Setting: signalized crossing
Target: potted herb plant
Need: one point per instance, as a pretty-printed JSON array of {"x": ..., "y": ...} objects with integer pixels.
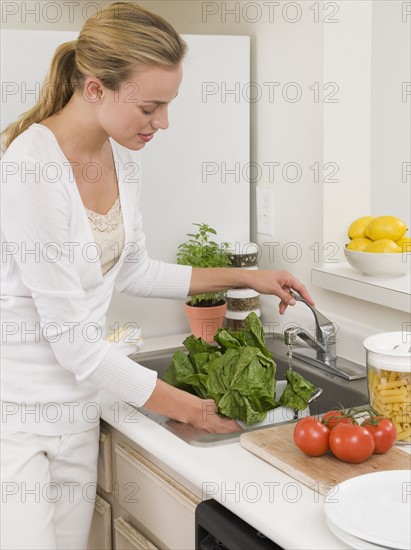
[{"x": 205, "y": 312}]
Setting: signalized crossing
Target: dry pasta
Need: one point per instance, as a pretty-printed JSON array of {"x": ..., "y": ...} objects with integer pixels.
[{"x": 390, "y": 395}]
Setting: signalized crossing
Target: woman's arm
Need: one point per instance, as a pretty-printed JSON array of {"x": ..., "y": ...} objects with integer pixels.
[
  {"x": 278, "y": 283},
  {"x": 124, "y": 378}
]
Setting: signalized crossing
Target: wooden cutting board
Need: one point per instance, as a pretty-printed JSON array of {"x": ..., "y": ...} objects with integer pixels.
[{"x": 276, "y": 446}]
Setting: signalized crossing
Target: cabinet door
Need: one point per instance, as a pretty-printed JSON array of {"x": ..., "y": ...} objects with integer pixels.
[
  {"x": 104, "y": 466},
  {"x": 126, "y": 537},
  {"x": 160, "y": 506},
  {"x": 100, "y": 533}
]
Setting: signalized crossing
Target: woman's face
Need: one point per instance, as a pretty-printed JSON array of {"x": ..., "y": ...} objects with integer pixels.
[{"x": 132, "y": 114}]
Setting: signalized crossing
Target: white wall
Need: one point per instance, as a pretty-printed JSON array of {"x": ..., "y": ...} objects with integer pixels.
[
  {"x": 293, "y": 43},
  {"x": 287, "y": 42},
  {"x": 391, "y": 108},
  {"x": 191, "y": 173}
]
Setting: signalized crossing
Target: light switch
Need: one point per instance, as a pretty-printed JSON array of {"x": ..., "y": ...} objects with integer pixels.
[{"x": 265, "y": 211}]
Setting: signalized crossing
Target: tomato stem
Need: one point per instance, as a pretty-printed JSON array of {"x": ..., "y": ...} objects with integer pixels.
[
  {"x": 352, "y": 412},
  {"x": 374, "y": 416}
]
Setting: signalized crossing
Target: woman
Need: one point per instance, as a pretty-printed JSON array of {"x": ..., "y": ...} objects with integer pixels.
[{"x": 106, "y": 96}]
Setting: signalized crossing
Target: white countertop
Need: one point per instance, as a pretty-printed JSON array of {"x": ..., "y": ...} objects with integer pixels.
[{"x": 283, "y": 509}]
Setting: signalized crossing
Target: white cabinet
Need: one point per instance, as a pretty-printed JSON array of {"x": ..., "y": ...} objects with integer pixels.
[
  {"x": 156, "y": 501},
  {"x": 105, "y": 463},
  {"x": 100, "y": 534},
  {"x": 126, "y": 537},
  {"x": 138, "y": 504}
]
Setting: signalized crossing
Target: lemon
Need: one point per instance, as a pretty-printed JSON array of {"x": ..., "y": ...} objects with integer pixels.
[
  {"x": 357, "y": 229},
  {"x": 404, "y": 244},
  {"x": 385, "y": 227},
  {"x": 359, "y": 244},
  {"x": 384, "y": 246}
]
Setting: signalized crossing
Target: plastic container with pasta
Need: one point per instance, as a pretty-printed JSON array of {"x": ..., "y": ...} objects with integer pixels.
[{"x": 389, "y": 379}]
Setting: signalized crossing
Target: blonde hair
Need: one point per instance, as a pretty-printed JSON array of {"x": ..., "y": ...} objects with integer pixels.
[{"x": 111, "y": 45}]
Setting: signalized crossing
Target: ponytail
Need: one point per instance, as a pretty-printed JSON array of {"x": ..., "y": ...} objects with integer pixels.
[{"x": 55, "y": 93}]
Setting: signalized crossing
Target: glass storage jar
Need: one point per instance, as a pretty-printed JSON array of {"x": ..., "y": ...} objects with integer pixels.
[
  {"x": 243, "y": 254},
  {"x": 389, "y": 378},
  {"x": 235, "y": 319},
  {"x": 242, "y": 299}
]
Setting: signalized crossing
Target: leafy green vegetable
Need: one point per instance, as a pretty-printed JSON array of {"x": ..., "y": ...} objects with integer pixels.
[
  {"x": 297, "y": 392},
  {"x": 239, "y": 373}
]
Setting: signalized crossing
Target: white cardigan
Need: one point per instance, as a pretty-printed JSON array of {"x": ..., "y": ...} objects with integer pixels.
[{"x": 54, "y": 297}]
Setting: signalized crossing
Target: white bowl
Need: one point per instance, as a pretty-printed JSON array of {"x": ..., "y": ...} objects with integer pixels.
[
  {"x": 375, "y": 264},
  {"x": 279, "y": 414}
]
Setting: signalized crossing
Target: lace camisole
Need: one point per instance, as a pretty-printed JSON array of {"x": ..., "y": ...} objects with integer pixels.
[{"x": 108, "y": 232}]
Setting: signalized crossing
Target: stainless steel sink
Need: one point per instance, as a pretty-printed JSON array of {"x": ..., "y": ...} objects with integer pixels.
[{"x": 336, "y": 391}]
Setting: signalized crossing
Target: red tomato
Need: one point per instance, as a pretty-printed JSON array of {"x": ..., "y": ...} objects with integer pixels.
[
  {"x": 311, "y": 437},
  {"x": 384, "y": 432},
  {"x": 332, "y": 418},
  {"x": 351, "y": 443}
]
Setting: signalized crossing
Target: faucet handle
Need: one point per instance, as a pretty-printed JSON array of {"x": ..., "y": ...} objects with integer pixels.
[
  {"x": 296, "y": 296},
  {"x": 324, "y": 328}
]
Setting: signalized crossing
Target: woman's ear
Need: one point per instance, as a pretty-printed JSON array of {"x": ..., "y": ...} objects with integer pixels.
[{"x": 93, "y": 90}]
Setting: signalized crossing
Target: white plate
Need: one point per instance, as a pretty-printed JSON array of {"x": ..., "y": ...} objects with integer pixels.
[
  {"x": 374, "y": 507},
  {"x": 353, "y": 542}
]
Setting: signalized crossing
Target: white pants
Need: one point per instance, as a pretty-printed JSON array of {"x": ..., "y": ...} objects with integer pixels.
[{"x": 48, "y": 490}]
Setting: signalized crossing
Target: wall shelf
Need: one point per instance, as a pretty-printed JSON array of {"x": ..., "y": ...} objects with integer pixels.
[{"x": 394, "y": 292}]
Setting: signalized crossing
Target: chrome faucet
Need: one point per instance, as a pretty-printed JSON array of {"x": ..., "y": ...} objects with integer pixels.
[{"x": 323, "y": 347}]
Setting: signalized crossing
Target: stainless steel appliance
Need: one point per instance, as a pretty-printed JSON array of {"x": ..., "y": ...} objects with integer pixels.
[{"x": 219, "y": 529}]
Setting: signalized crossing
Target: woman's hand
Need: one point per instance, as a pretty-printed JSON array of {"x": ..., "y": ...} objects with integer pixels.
[
  {"x": 278, "y": 283},
  {"x": 186, "y": 407},
  {"x": 206, "y": 418},
  {"x": 264, "y": 281}
]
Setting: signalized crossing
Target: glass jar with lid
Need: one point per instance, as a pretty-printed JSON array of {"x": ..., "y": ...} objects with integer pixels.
[
  {"x": 235, "y": 319},
  {"x": 242, "y": 299},
  {"x": 243, "y": 254}
]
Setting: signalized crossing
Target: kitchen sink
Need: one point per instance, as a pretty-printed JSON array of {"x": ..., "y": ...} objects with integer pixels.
[{"x": 337, "y": 392}]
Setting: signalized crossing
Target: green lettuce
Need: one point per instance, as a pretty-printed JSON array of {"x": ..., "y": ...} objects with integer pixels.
[
  {"x": 239, "y": 373},
  {"x": 297, "y": 391}
]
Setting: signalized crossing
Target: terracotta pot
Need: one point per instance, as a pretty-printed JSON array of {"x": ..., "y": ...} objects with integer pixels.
[{"x": 205, "y": 321}]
